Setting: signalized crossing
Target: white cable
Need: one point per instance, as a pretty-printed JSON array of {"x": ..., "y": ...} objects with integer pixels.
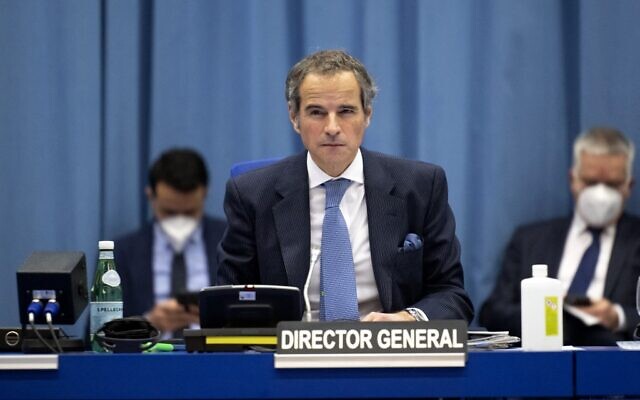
[
  {"x": 33, "y": 327},
  {"x": 315, "y": 255},
  {"x": 52, "y": 330}
]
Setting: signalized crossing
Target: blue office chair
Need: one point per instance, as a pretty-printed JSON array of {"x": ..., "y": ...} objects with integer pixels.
[{"x": 246, "y": 166}]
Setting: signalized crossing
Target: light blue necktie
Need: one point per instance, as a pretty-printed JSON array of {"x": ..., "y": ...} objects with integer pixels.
[{"x": 338, "y": 296}]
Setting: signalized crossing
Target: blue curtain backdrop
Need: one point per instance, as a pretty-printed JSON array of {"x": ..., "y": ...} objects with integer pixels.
[{"x": 494, "y": 91}]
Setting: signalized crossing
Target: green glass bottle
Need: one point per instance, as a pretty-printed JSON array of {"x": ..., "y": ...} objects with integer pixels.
[{"x": 106, "y": 292}]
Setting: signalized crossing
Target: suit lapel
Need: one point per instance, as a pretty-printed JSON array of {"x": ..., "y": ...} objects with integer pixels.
[
  {"x": 385, "y": 215},
  {"x": 618, "y": 255},
  {"x": 291, "y": 218},
  {"x": 556, "y": 247},
  {"x": 210, "y": 249},
  {"x": 144, "y": 271}
]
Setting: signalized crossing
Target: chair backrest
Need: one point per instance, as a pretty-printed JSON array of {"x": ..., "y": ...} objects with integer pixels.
[{"x": 246, "y": 166}]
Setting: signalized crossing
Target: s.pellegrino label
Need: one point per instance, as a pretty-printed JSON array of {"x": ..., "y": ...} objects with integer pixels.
[{"x": 103, "y": 312}]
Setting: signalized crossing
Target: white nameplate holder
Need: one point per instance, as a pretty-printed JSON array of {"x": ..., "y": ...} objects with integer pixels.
[
  {"x": 371, "y": 344},
  {"x": 28, "y": 361}
]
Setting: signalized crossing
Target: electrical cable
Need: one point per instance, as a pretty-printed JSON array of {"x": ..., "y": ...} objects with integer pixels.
[
  {"x": 35, "y": 330},
  {"x": 53, "y": 333},
  {"x": 52, "y": 309}
]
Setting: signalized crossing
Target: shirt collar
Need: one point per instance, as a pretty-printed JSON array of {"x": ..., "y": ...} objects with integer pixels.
[
  {"x": 354, "y": 172},
  {"x": 580, "y": 225}
]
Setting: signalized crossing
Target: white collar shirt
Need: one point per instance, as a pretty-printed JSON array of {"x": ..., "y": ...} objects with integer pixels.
[
  {"x": 354, "y": 209},
  {"x": 195, "y": 256},
  {"x": 578, "y": 240}
]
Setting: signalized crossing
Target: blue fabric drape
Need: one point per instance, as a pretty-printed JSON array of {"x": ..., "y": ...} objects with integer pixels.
[{"x": 494, "y": 91}]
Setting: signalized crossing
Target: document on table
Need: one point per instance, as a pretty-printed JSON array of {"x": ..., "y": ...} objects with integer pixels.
[
  {"x": 588, "y": 319},
  {"x": 491, "y": 339},
  {"x": 629, "y": 344}
]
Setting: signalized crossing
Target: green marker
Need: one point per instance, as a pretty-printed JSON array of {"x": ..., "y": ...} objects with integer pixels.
[{"x": 159, "y": 347}]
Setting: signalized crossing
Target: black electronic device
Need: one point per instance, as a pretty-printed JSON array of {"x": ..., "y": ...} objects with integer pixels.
[
  {"x": 188, "y": 299},
  {"x": 230, "y": 339},
  {"x": 257, "y": 306},
  {"x": 59, "y": 276},
  {"x": 578, "y": 301},
  {"x": 16, "y": 339},
  {"x": 10, "y": 339},
  {"x": 52, "y": 289}
]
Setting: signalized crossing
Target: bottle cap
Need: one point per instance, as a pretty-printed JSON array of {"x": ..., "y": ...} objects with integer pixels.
[
  {"x": 105, "y": 245},
  {"x": 539, "y": 270}
]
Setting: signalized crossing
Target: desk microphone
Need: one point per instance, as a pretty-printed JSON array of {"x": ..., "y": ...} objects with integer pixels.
[{"x": 315, "y": 255}]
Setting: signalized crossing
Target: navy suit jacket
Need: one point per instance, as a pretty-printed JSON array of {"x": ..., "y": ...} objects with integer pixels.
[
  {"x": 268, "y": 235},
  {"x": 134, "y": 261},
  {"x": 543, "y": 243}
]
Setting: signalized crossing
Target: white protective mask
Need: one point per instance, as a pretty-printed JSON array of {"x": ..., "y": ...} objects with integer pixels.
[
  {"x": 599, "y": 205},
  {"x": 179, "y": 229}
]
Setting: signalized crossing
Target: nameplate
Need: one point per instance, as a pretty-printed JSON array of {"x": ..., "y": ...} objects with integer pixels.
[
  {"x": 29, "y": 362},
  {"x": 371, "y": 344}
]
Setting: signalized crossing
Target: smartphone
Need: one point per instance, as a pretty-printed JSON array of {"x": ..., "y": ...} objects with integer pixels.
[{"x": 579, "y": 301}]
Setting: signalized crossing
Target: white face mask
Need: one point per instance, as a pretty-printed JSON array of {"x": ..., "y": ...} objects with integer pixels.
[
  {"x": 599, "y": 205},
  {"x": 179, "y": 229}
]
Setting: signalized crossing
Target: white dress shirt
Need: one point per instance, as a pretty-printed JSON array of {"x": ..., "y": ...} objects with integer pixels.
[
  {"x": 354, "y": 209},
  {"x": 578, "y": 240},
  {"x": 195, "y": 258},
  {"x": 196, "y": 267}
]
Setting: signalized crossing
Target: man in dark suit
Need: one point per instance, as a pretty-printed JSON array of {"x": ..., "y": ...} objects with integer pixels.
[
  {"x": 402, "y": 254},
  {"x": 600, "y": 303},
  {"x": 175, "y": 253}
]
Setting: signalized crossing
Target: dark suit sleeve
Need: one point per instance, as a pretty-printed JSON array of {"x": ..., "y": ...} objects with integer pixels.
[
  {"x": 629, "y": 305},
  {"x": 237, "y": 258},
  {"x": 632, "y": 320},
  {"x": 443, "y": 282},
  {"x": 133, "y": 261},
  {"x": 501, "y": 311},
  {"x": 627, "y": 300},
  {"x": 214, "y": 229},
  {"x": 123, "y": 257}
]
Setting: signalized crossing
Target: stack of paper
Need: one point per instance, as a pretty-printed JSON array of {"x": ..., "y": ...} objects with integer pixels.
[{"x": 491, "y": 340}]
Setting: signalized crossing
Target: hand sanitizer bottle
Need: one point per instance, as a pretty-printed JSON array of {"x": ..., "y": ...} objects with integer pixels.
[{"x": 541, "y": 311}]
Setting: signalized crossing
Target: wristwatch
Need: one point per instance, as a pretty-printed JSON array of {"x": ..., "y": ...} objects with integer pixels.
[{"x": 417, "y": 314}]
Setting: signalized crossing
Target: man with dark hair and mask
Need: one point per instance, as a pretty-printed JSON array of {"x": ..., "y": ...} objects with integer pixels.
[
  {"x": 595, "y": 253},
  {"x": 176, "y": 252}
]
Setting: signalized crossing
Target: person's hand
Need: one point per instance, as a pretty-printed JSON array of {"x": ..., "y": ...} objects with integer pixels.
[
  {"x": 169, "y": 316},
  {"x": 388, "y": 317},
  {"x": 603, "y": 310}
]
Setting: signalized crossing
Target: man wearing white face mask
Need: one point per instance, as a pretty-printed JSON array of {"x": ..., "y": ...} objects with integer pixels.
[
  {"x": 595, "y": 253},
  {"x": 174, "y": 253}
]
